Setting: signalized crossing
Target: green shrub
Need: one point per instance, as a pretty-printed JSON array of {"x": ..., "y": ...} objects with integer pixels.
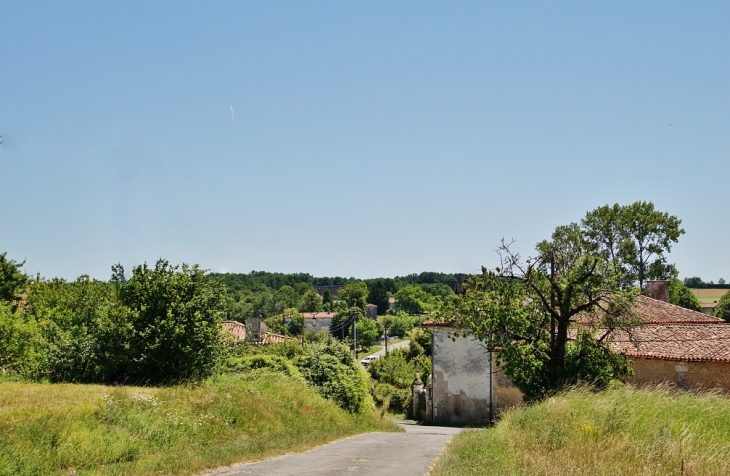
[
  {"x": 391, "y": 397},
  {"x": 275, "y": 363},
  {"x": 331, "y": 369}
]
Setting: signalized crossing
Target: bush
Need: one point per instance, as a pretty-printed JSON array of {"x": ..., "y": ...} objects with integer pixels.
[
  {"x": 331, "y": 369},
  {"x": 176, "y": 319},
  {"x": 391, "y": 397},
  {"x": 275, "y": 363}
]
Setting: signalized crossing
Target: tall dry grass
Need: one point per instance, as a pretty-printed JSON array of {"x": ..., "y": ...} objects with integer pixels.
[
  {"x": 48, "y": 429},
  {"x": 622, "y": 431}
]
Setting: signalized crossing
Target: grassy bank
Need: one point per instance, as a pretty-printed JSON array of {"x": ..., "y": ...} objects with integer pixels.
[
  {"x": 53, "y": 429},
  {"x": 618, "y": 432}
]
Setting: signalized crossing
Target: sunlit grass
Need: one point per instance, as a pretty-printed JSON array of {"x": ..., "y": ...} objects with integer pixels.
[
  {"x": 618, "y": 432},
  {"x": 95, "y": 430}
]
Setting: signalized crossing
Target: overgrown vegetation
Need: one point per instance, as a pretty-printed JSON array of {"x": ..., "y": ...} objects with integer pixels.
[
  {"x": 393, "y": 373},
  {"x": 161, "y": 326},
  {"x": 584, "y": 279},
  {"x": 96, "y": 430},
  {"x": 621, "y": 431}
]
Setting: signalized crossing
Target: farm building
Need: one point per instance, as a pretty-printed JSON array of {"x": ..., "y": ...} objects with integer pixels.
[{"x": 673, "y": 344}]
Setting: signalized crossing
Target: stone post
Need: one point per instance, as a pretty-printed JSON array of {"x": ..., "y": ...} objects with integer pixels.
[{"x": 417, "y": 386}]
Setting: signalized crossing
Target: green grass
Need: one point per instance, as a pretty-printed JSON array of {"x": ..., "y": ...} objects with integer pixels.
[
  {"x": 50, "y": 429},
  {"x": 619, "y": 432}
]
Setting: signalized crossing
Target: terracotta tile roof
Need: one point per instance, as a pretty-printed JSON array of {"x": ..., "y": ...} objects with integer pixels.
[
  {"x": 685, "y": 342},
  {"x": 318, "y": 315},
  {"x": 235, "y": 329},
  {"x": 437, "y": 324},
  {"x": 653, "y": 311},
  {"x": 660, "y": 312},
  {"x": 271, "y": 338}
]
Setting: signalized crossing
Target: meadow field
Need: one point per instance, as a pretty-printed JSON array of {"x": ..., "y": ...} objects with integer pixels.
[{"x": 709, "y": 295}]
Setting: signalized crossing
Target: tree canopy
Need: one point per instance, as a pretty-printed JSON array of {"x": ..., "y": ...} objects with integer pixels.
[{"x": 583, "y": 273}]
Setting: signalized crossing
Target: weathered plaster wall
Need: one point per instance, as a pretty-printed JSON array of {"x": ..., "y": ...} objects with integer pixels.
[
  {"x": 461, "y": 384},
  {"x": 506, "y": 395},
  {"x": 683, "y": 374}
]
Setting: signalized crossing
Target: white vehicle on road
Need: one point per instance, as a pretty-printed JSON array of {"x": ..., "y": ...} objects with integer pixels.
[{"x": 366, "y": 361}]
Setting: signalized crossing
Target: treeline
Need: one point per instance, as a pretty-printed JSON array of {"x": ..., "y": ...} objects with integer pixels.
[
  {"x": 264, "y": 294},
  {"x": 696, "y": 282}
]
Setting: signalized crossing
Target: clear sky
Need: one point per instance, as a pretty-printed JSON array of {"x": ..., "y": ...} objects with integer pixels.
[{"x": 354, "y": 138}]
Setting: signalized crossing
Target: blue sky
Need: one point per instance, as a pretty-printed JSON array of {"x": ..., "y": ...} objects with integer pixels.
[{"x": 367, "y": 138}]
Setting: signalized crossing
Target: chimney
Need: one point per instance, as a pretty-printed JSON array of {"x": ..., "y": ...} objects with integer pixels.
[{"x": 658, "y": 290}]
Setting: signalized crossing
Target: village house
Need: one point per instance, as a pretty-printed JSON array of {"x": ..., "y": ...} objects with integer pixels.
[{"x": 686, "y": 348}]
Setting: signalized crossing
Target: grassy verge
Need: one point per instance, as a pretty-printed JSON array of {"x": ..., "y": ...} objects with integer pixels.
[
  {"x": 53, "y": 429},
  {"x": 618, "y": 432}
]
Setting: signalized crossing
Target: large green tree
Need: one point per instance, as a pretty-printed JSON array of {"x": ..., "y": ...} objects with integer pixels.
[
  {"x": 378, "y": 294},
  {"x": 633, "y": 239},
  {"x": 413, "y": 299},
  {"x": 176, "y": 321},
  {"x": 528, "y": 306},
  {"x": 354, "y": 295},
  {"x": 680, "y": 295}
]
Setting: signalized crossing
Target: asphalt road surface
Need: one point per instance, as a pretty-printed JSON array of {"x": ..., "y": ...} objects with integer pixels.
[{"x": 383, "y": 454}]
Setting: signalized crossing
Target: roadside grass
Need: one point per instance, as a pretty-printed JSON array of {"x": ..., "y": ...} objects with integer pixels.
[
  {"x": 51, "y": 429},
  {"x": 622, "y": 431},
  {"x": 709, "y": 295}
]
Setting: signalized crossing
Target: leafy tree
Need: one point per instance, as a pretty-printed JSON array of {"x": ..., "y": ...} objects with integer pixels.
[
  {"x": 378, "y": 294},
  {"x": 367, "y": 332},
  {"x": 354, "y": 295},
  {"x": 680, "y": 295},
  {"x": 286, "y": 297},
  {"x": 19, "y": 342},
  {"x": 633, "y": 239},
  {"x": 438, "y": 290},
  {"x": 176, "y": 322},
  {"x": 12, "y": 281},
  {"x": 342, "y": 321},
  {"x": 296, "y": 324},
  {"x": 327, "y": 297},
  {"x": 723, "y": 307},
  {"x": 413, "y": 300},
  {"x": 527, "y": 307},
  {"x": 398, "y": 324},
  {"x": 83, "y": 330},
  {"x": 721, "y": 281},
  {"x": 694, "y": 282},
  {"x": 311, "y": 301}
]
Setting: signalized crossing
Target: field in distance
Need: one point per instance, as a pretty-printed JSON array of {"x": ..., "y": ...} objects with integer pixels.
[{"x": 709, "y": 295}]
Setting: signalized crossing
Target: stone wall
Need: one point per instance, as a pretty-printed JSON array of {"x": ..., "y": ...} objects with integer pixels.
[{"x": 694, "y": 375}]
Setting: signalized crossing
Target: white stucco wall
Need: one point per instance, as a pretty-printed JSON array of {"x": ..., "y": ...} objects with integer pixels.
[{"x": 461, "y": 386}]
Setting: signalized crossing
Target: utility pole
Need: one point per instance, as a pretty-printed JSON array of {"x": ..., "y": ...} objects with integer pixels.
[{"x": 354, "y": 332}]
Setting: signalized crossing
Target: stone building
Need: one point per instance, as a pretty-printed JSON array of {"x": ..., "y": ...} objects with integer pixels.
[
  {"x": 465, "y": 387},
  {"x": 672, "y": 344}
]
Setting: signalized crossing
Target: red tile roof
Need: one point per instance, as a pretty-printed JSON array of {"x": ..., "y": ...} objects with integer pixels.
[
  {"x": 318, "y": 315},
  {"x": 235, "y": 329},
  {"x": 660, "y": 312},
  {"x": 684, "y": 342},
  {"x": 271, "y": 338}
]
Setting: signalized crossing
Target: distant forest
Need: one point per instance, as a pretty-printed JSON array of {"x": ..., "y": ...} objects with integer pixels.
[{"x": 274, "y": 281}]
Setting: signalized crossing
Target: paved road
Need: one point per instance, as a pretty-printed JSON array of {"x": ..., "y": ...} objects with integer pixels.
[
  {"x": 384, "y": 454},
  {"x": 381, "y": 352}
]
